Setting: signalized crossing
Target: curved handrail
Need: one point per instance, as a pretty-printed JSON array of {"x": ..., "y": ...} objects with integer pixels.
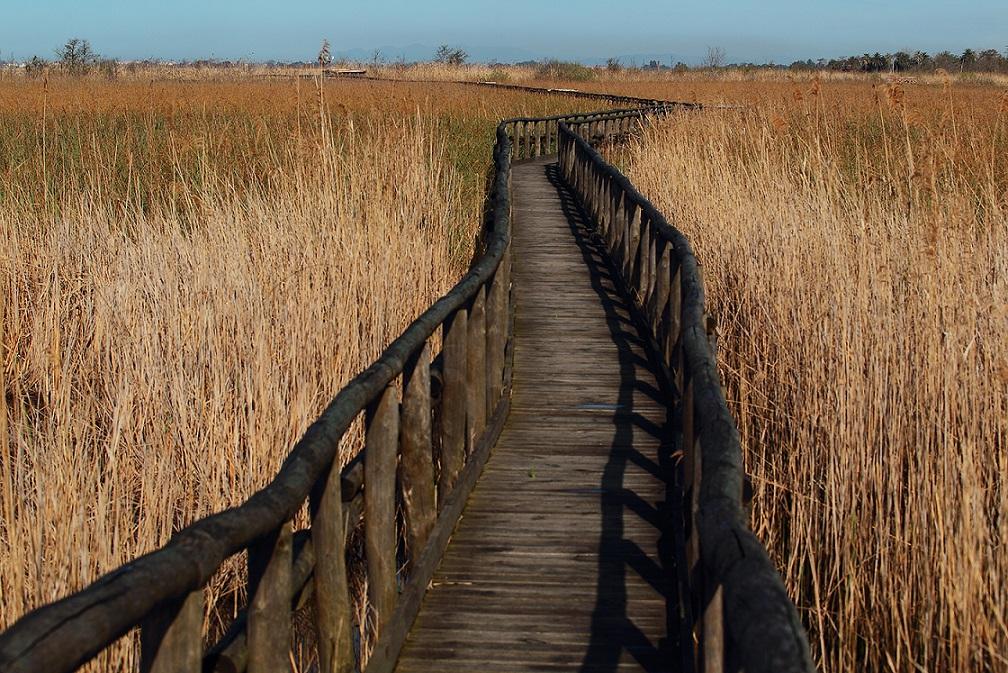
[
  {"x": 162, "y": 591},
  {"x": 744, "y": 618},
  {"x": 63, "y": 635},
  {"x": 159, "y": 590}
]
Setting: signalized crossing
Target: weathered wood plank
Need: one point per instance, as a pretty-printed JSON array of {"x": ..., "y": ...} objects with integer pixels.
[
  {"x": 269, "y": 616},
  {"x": 331, "y": 592},
  {"x": 455, "y": 336},
  {"x": 416, "y": 469},
  {"x": 381, "y": 448},
  {"x": 172, "y": 639},
  {"x": 476, "y": 375},
  {"x": 543, "y": 554}
]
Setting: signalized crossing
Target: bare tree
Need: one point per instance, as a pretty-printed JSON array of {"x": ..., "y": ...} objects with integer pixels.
[
  {"x": 77, "y": 56},
  {"x": 324, "y": 55},
  {"x": 449, "y": 55},
  {"x": 715, "y": 57}
]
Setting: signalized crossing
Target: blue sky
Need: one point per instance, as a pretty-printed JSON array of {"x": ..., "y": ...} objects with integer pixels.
[{"x": 775, "y": 30}]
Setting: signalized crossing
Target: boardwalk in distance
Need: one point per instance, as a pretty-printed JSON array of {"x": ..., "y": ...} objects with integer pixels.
[{"x": 559, "y": 561}]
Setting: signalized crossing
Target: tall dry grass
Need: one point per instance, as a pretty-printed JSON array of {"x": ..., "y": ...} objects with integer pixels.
[
  {"x": 160, "y": 364},
  {"x": 854, "y": 244},
  {"x": 188, "y": 274}
]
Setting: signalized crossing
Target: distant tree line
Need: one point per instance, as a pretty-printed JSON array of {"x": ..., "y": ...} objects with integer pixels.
[
  {"x": 77, "y": 57},
  {"x": 986, "y": 60}
]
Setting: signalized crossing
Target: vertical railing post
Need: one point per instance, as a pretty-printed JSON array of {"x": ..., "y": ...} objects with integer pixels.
[
  {"x": 643, "y": 247},
  {"x": 381, "y": 445},
  {"x": 171, "y": 639},
  {"x": 651, "y": 264},
  {"x": 455, "y": 335},
  {"x": 269, "y": 611},
  {"x": 476, "y": 402},
  {"x": 673, "y": 346},
  {"x": 331, "y": 592},
  {"x": 496, "y": 330},
  {"x": 630, "y": 257},
  {"x": 659, "y": 299},
  {"x": 713, "y": 614},
  {"x": 416, "y": 471},
  {"x": 691, "y": 473},
  {"x": 616, "y": 222}
]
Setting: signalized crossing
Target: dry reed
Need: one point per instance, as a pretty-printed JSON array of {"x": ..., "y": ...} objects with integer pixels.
[
  {"x": 188, "y": 274},
  {"x": 855, "y": 251}
]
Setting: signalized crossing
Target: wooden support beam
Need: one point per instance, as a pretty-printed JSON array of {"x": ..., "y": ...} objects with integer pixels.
[
  {"x": 416, "y": 469},
  {"x": 455, "y": 335},
  {"x": 333, "y": 609},
  {"x": 476, "y": 377},
  {"x": 381, "y": 446},
  {"x": 171, "y": 639},
  {"x": 269, "y": 613}
]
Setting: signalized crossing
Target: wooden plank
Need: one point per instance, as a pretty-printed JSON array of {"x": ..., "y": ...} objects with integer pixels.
[
  {"x": 381, "y": 448},
  {"x": 455, "y": 336},
  {"x": 269, "y": 614},
  {"x": 172, "y": 638},
  {"x": 386, "y": 652},
  {"x": 476, "y": 374},
  {"x": 527, "y": 554},
  {"x": 496, "y": 338},
  {"x": 416, "y": 469},
  {"x": 331, "y": 593}
]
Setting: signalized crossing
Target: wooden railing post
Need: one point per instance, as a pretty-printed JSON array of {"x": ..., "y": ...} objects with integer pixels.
[
  {"x": 171, "y": 639},
  {"x": 659, "y": 299},
  {"x": 673, "y": 347},
  {"x": 713, "y": 615},
  {"x": 597, "y": 197},
  {"x": 455, "y": 335},
  {"x": 496, "y": 334},
  {"x": 269, "y": 611},
  {"x": 381, "y": 445},
  {"x": 331, "y": 592},
  {"x": 476, "y": 402},
  {"x": 416, "y": 469},
  {"x": 632, "y": 242},
  {"x": 713, "y": 632},
  {"x": 645, "y": 263},
  {"x": 691, "y": 474},
  {"x": 615, "y": 194}
]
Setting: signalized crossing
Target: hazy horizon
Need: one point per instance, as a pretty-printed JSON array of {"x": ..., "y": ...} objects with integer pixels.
[{"x": 260, "y": 30}]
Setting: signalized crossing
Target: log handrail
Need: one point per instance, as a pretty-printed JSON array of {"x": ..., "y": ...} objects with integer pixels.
[
  {"x": 154, "y": 590},
  {"x": 452, "y": 406},
  {"x": 162, "y": 591},
  {"x": 741, "y": 615}
]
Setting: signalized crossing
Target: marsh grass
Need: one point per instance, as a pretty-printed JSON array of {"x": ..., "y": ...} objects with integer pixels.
[
  {"x": 189, "y": 272},
  {"x": 854, "y": 244}
]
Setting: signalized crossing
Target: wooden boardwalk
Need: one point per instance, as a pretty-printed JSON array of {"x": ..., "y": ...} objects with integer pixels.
[{"x": 558, "y": 562}]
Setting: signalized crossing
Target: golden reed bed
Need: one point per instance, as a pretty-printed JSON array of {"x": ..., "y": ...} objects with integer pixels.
[
  {"x": 190, "y": 269},
  {"x": 854, "y": 239}
]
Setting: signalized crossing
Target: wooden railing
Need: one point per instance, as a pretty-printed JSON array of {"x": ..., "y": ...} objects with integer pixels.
[
  {"x": 534, "y": 137},
  {"x": 430, "y": 423},
  {"x": 453, "y": 408},
  {"x": 741, "y": 615}
]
